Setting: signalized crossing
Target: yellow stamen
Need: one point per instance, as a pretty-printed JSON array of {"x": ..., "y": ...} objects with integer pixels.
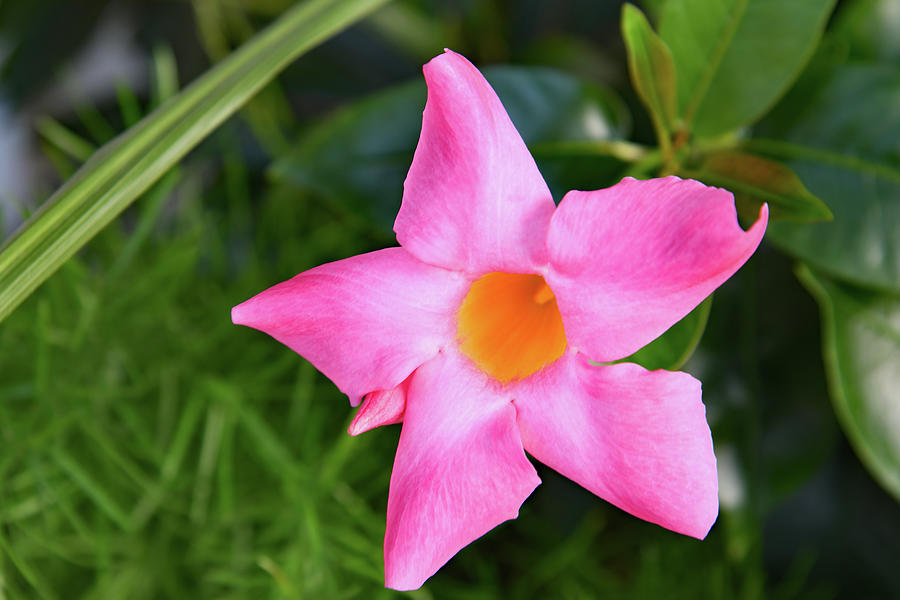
[
  {"x": 544, "y": 294},
  {"x": 510, "y": 326}
]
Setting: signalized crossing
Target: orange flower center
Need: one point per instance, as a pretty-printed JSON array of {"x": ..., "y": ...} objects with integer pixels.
[{"x": 510, "y": 326}]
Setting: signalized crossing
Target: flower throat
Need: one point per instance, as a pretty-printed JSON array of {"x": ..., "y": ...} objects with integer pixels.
[{"x": 510, "y": 326}]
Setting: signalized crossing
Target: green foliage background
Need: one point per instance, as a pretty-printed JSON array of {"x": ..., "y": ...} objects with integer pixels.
[{"x": 150, "y": 449}]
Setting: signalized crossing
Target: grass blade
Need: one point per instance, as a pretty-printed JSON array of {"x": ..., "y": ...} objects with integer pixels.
[{"x": 123, "y": 169}]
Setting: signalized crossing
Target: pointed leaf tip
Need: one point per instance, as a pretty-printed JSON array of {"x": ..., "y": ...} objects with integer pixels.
[{"x": 652, "y": 70}]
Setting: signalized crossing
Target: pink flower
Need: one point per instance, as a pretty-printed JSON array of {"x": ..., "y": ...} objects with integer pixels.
[{"x": 478, "y": 333}]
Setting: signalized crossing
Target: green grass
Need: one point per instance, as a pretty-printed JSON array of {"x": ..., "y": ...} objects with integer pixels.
[{"x": 153, "y": 449}]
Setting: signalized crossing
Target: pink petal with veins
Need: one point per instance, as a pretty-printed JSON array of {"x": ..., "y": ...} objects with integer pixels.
[
  {"x": 636, "y": 438},
  {"x": 366, "y": 322},
  {"x": 473, "y": 199},
  {"x": 459, "y": 471},
  {"x": 629, "y": 261}
]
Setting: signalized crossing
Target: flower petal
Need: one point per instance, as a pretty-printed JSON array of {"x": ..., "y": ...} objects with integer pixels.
[
  {"x": 366, "y": 322},
  {"x": 629, "y": 261},
  {"x": 384, "y": 407},
  {"x": 459, "y": 472},
  {"x": 474, "y": 199},
  {"x": 636, "y": 438}
]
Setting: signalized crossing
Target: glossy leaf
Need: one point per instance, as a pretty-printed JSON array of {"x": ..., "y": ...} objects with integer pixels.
[
  {"x": 735, "y": 58},
  {"x": 755, "y": 180},
  {"x": 359, "y": 156},
  {"x": 652, "y": 71},
  {"x": 126, "y": 167},
  {"x": 675, "y": 346},
  {"x": 840, "y": 137},
  {"x": 862, "y": 357}
]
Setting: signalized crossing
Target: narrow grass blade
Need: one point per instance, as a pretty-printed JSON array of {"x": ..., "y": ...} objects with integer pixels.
[{"x": 123, "y": 169}]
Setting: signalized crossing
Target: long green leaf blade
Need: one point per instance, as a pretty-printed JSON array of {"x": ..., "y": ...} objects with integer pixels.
[
  {"x": 652, "y": 71},
  {"x": 735, "y": 58},
  {"x": 861, "y": 348},
  {"x": 123, "y": 169}
]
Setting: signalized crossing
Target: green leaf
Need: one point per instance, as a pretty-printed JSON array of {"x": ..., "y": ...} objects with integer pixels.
[
  {"x": 123, "y": 169},
  {"x": 359, "y": 156},
  {"x": 652, "y": 71},
  {"x": 862, "y": 358},
  {"x": 841, "y": 140},
  {"x": 869, "y": 29},
  {"x": 675, "y": 346},
  {"x": 735, "y": 58},
  {"x": 755, "y": 180}
]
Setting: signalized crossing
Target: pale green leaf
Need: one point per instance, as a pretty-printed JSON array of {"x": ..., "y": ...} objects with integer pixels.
[
  {"x": 735, "y": 58},
  {"x": 652, "y": 71}
]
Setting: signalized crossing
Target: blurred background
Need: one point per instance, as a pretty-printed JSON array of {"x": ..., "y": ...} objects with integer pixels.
[{"x": 151, "y": 449}]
